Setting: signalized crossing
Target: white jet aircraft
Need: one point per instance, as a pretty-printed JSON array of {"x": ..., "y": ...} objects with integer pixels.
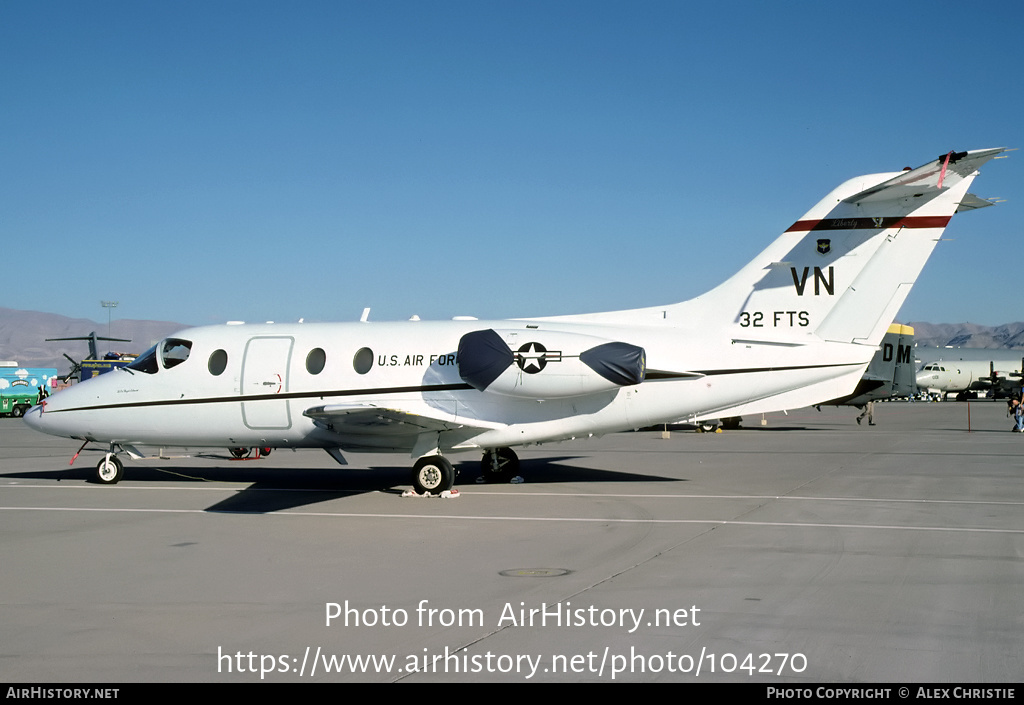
[
  {"x": 796, "y": 326},
  {"x": 969, "y": 370}
]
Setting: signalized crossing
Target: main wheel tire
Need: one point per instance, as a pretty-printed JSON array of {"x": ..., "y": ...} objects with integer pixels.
[
  {"x": 433, "y": 474},
  {"x": 239, "y": 452},
  {"x": 499, "y": 465},
  {"x": 109, "y": 470}
]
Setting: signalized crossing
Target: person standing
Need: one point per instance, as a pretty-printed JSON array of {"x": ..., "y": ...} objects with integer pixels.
[{"x": 1016, "y": 410}]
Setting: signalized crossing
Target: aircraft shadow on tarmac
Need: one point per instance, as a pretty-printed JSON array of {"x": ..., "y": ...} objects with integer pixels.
[
  {"x": 307, "y": 487},
  {"x": 752, "y": 427},
  {"x": 266, "y": 489}
]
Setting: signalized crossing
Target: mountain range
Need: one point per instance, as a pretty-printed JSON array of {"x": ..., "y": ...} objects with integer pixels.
[
  {"x": 23, "y": 336},
  {"x": 969, "y": 335}
]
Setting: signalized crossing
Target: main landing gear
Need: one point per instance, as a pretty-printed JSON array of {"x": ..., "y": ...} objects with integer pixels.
[
  {"x": 433, "y": 474},
  {"x": 499, "y": 465},
  {"x": 242, "y": 453}
]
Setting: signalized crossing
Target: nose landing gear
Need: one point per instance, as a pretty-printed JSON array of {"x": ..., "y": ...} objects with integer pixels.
[{"x": 109, "y": 470}]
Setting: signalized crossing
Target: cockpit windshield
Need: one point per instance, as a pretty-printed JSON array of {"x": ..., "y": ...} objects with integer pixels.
[
  {"x": 167, "y": 354},
  {"x": 146, "y": 362}
]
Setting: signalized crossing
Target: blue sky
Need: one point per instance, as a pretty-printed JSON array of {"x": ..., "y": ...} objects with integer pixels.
[{"x": 210, "y": 161}]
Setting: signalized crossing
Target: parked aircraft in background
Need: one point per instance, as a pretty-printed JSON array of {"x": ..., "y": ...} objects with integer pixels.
[
  {"x": 964, "y": 371},
  {"x": 796, "y": 326},
  {"x": 890, "y": 373},
  {"x": 93, "y": 338},
  {"x": 76, "y": 366}
]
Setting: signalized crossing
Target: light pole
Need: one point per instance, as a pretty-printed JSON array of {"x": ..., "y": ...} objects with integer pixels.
[{"x": 108, "y": 305}]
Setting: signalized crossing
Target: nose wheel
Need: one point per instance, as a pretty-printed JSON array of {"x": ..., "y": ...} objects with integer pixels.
[{"x": 109, "y": 470}]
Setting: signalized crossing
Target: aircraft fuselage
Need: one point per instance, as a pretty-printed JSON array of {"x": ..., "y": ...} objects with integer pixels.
[{"x": 249, "y": 385}]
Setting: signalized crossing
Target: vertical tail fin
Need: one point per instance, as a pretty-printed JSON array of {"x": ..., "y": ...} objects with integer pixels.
[
  {"x": 843, "y": 270},
  {"x": 904, "y": 379},
  {"x": 890, "y": 373}
]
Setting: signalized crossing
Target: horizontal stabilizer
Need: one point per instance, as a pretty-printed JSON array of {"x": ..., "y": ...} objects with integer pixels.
[
  {"x": 970, "y": 202},
  {"x": 929, "y": 180}
]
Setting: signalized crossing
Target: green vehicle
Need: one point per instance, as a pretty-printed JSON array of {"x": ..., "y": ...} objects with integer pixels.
[{"x": 19, "y": 387}]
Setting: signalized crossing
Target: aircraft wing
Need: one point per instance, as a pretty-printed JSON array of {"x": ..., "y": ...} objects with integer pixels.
[
  {"x": 929, "y": 180},
  {"x": 1006, "y": 380},
  {"x": 370, "y": 419},
  {"x": 365, "y": 426}
]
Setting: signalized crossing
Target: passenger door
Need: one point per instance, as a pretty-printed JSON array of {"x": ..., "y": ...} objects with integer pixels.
[{"x": 265, "y": 375}]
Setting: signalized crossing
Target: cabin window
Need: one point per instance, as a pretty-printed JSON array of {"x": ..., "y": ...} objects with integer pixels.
[
  {"x": 175, "y": 351},
  {"x": 315, "y": 361},
  {"x": 218, "y": 362},
  {"x": 363, "y": 360}
]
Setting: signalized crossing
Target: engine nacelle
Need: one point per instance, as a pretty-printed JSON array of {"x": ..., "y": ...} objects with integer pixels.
[{"x": 538, "y": 364}]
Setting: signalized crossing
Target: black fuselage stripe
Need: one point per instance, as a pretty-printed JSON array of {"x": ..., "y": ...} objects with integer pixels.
[
  {"x": 416, "y": 389},
  {"x": 739, "y": 371},
  {"x": 654, "y": 375},
  {"x": 286, "y": 395}
]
